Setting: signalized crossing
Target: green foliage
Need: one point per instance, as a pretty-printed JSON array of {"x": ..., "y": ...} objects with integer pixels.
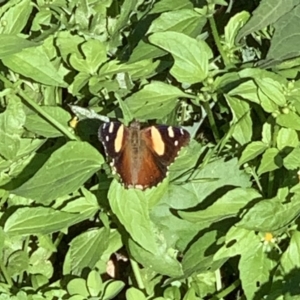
[{"x": 224, "y": 224}]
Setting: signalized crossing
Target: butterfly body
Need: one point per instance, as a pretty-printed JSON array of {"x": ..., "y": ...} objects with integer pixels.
[{"x": 141, "y": 157}]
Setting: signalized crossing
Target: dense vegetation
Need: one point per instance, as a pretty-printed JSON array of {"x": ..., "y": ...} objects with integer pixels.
[{"x": 224, "y": 224}]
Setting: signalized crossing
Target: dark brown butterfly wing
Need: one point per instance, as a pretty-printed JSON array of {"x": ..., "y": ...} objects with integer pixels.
[{"x": 142, "y": 157}]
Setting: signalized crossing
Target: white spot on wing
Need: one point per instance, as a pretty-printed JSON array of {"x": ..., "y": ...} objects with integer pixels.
[
  {"x": 111, "y": 127},
  {"x": 181, "y": 131},
  {"x": 107, "y": 138},
  {"x": 176, "y": 143},
  {"x": 139, "y": 187},
  {"x": 171, "y": 132}
]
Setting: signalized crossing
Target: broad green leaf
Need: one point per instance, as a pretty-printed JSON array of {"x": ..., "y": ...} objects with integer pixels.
[
  {"x": 207, "y": 181},
  {"x": 86, "y": 249},
  {"x": 272, "y": 89},
  {"x": 266, "y": 103},
  {"x": 255, "y": 267},
  {"x": 63, "y": 173},
  {"x": 236, "y": 241},
  {"x": 35, "y": 64},
  {"x": 131, "y": 208},
  {"x": 40, "y": 220},
  {"x": 68, "y": 43},
  {"x": 227, "y": 206},
  {"x": 290, "y": 258},
  {"x": 10, "y": 44},
  {"x": 14, "y": 16},
  {"x": 77, "y": 286},
  {"x": 39, "y": 263},
  {"x": 11, "y": 126},
  {"x": 233, "y": 27},
  {"x": 190, "y": 63},
  {"x": 169, "y": 5},
  {"x": 265, "y": 14},
  {"x": 290, "y": 120},
  {"x": 13, "y": 118},
  {"x": 17, "y": 263},
  {"x": 185, "y": 21},
  {"x": 271, "y": 160},
  {"x": 134, "y": 294},
  {"x": 247, "y": 90},
  {"x": 154, "y": 100},
  {"x": 38, "y": 125},
  {"x": 252, "y": 150},
  {"x": 292, "y": 160},
  {"x": 163, "y": 261},
  {"x": 241, "y": 119},
  {"x": 284, "y": 43},
  {"x": 267, "y": 134},
  {"x": 271, "y": 214},
  {"x": 197, "y": 259},
  {"x": 286, "y": 138},
  {"x": 95, "y": 54},
  {"x": 112, "y": 288},
  {"x": 94, "y": 283},
  {"x": 9, "y": 145}
]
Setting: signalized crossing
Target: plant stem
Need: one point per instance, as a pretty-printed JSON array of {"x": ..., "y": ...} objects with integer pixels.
[
  {"x": 137, "y": 274},
  {"x": 211, "y": 121},
  {"x": 5, "y": 274},
  {"x": 227, "y": 291},
  {"x": 215, "y": 34},
  {"x": 40, "y": 111}
]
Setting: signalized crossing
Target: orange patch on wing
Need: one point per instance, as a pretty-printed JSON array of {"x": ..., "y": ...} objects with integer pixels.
[
  {"x": 157, "y": 142},
  {"x": 119, "y": 138}
]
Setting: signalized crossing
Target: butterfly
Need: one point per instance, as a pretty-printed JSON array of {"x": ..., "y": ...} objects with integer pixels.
[{"x": 142, "y": 156}]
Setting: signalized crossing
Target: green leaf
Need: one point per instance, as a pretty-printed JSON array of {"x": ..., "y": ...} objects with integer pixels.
[
  {"x": 227, "y": 206},
  {"x": 241, "y": 119},
  {"x": 77, "y": 286},
  {"x": 265, "y": 14},
  {"x": 94, "y": 283},
  {"x": 13, "y": 118},
  {"x": 233, "y": 27},
  {"x": 134, "y": 294},
  {"x": 190, "y": 63},
  {"x": 286, "y": 138},
  {"x": 18, "y": 263},
  {"x": 197, "y": 259},
  {"x": 271, "y": 160},
  {"x": 163, "y": 261},
  {"x": 185, "y": 21},
  {"x": 167, "y": 5},
  {"x": 39, "y": 220},
  {"x": 290, "y": 258},
  {"x": 255, "y": 267},
  {"x": 247, "y": 90},
  {"x": 271, "y": 214},
  {"x": 272, "y": 89},
  {"x": 38, "y": 125},
  {"x": 112, "y": 289},
  {"x": 63, "y": 173},
  {"x": 15, "y": 15},
  {"x": 252, "y": 150},
  {"x": 292, "y": 160},
  {"x": 289, "y": 120},
  {"x": 131, "y": 205},
  {"x": 35, "y": 64},
  {"x": 266, "y": 103},
  {"x": 237, "y": 239},
  {"x": 285, "y": 39},
  {"x": 10, "y": 44},
  {"x": 86, "y": 249},
  {"x": 154, "y": 101}
]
